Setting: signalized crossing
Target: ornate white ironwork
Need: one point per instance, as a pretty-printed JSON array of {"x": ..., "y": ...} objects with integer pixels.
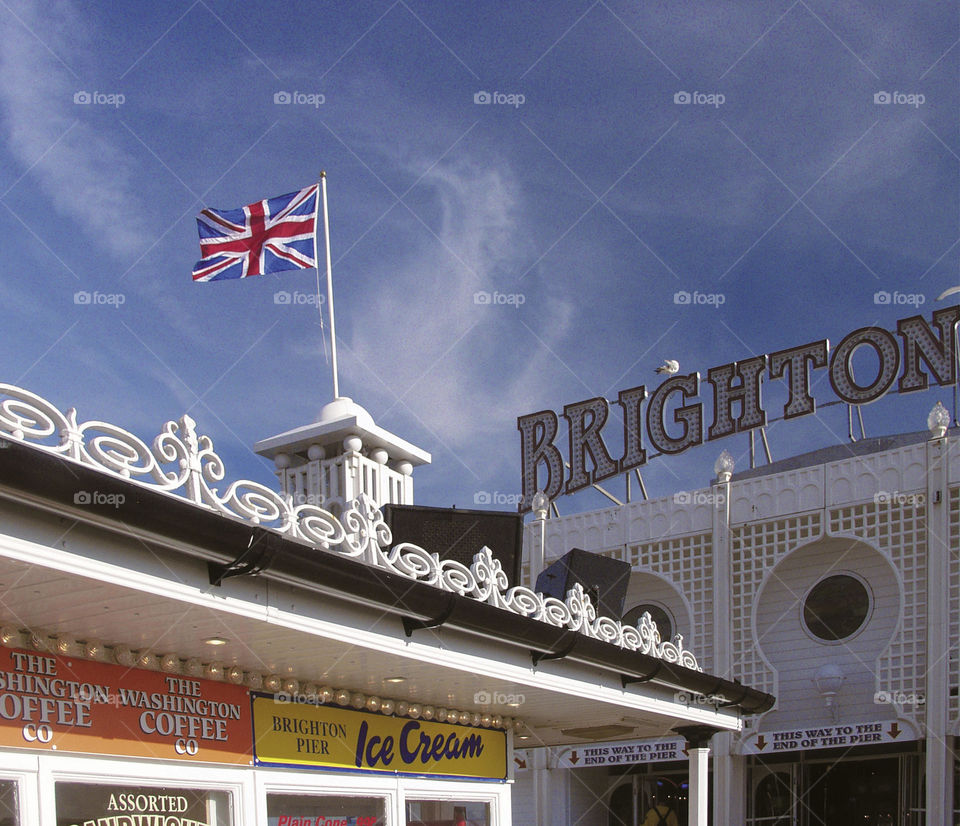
[{"x": 183, "y": 464}]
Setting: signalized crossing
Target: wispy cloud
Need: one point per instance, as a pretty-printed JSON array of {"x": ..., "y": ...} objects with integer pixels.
[
  {"x": 424, "y": 340},
  {"x": 81, "y": 169}
]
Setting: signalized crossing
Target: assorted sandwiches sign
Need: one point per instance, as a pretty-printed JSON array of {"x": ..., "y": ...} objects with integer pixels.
[{"x": 925, "y": 350}]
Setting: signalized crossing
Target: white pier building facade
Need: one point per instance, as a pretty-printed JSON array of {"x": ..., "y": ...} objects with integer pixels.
[{"x": 830, "y": 580}]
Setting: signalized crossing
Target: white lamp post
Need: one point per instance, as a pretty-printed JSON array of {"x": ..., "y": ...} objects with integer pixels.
[{"x": 540, "y": 504}]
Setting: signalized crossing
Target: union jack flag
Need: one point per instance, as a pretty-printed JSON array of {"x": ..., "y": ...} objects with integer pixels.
[{"x": 269, "y": 236}]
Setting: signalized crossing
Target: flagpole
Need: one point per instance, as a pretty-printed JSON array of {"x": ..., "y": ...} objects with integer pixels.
[{"x": 326, "y": 234}]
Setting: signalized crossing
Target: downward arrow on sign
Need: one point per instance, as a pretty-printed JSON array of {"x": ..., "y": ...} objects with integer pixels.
[
  {"x": 761, "y": 742},
  {"x": 895, "y": 730},
  {"x": 574, "y": 759}
]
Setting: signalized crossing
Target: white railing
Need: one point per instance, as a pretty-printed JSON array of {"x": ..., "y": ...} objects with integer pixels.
[{"x": 183, "y": 464}]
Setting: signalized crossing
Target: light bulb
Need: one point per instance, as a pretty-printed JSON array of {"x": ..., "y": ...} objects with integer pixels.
[
  {"x": 170, "y": 663},
  {"x": 123, "y": 655},
  {"x": 723, "y": 467},
  {"x": 938, "y": 421},
  {"x": 272, "y": 683}
]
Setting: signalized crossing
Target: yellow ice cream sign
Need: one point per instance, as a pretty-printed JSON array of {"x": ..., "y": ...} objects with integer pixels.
[{"x": 326, "y": 736}]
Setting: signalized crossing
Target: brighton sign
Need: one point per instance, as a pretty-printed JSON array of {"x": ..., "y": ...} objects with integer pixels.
[{"x": 737, "y": 383}]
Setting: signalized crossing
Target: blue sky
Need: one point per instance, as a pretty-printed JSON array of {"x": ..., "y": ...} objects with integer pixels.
[{"x": 585, "y": 189}]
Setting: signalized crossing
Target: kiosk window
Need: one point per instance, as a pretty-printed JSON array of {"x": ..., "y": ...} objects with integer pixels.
[
  {"x": 9, "y": 811},
  {"x": 108, "y": 804},
  {"x": 324, "y": 810},
  {"x": 447, "y": 813}
]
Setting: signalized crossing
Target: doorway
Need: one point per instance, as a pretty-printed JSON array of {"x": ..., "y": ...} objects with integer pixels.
[
  {"x": 633, "y": 800},
  {"x": 862, "y": 792},
  {"x": 874, "y": 791}
]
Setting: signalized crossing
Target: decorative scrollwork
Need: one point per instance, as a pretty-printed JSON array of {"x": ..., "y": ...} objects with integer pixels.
[
  {"x": 254, "y": 502},
  {"x": 413, "y": 562},
  {"x": 457, "y": 577},
  {"x": 119, "y": 451},
  {"x": 24, "y": 415},
  {"x": 179, "y": 458},
  {"x": 317, "y": 526},
  {"x": 366, "y": 532},
  {"x": 491, "y": 579}
]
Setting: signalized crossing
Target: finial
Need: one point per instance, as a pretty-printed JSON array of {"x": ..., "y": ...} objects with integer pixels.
[
  {"x": 540, "y": 504},
  {"x": 723, "y": 467},
  {"x": 938, "y": 421}
]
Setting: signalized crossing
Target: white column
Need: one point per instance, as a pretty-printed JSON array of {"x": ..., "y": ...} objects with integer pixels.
[
  {"x": 729, "y": 784},
  {"x": 939, "y": 760},
  {"x": 538, "y": 554},
  {"x": 699, "y": 778},
  {"x": 698, "y": 748},
  {"x": 729, "y": 781}
]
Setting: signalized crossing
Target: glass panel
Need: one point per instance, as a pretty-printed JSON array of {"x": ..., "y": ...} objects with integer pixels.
[
  {"x": 9, "y": 811},
  {"x": 662, "y": 798},
  {"x": 96, "y": 803},
  {"x": 773, "y": 800},
  {"x": 447, "y": 813},
  {"x": 324, "y": 810},
  {"x": 854, "y": 791},
  {"x": 621, "y": 806}
]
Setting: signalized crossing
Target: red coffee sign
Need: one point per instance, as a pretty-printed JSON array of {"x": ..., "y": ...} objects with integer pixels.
[{"x": 65, "y": 704}]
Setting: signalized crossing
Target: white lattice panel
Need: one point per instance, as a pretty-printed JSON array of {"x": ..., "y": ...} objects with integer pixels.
[
  {"x": 766, "y": 497},
  {"x": 687, "y": 563},
  {"x": 755, "y": 548},
  {"x": 899, "y": 531},
  {"x": 862, "y": 478}
]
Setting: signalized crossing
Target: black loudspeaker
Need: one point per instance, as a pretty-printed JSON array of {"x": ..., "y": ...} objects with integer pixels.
[
  {"x": 458, "y": 534},
  {"x": 604, "y": 579}
]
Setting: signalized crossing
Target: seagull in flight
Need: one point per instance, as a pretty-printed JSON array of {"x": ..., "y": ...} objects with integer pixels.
[{"x": 669, "y": 367}]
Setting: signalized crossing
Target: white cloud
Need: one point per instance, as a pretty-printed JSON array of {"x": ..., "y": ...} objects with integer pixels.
[
  {"x": 420, "y": 331},
  {"x": 79, "y": 168}
]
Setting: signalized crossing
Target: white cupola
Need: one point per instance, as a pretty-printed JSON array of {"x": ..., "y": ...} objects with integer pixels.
[{"x": 341, "y": 455}]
